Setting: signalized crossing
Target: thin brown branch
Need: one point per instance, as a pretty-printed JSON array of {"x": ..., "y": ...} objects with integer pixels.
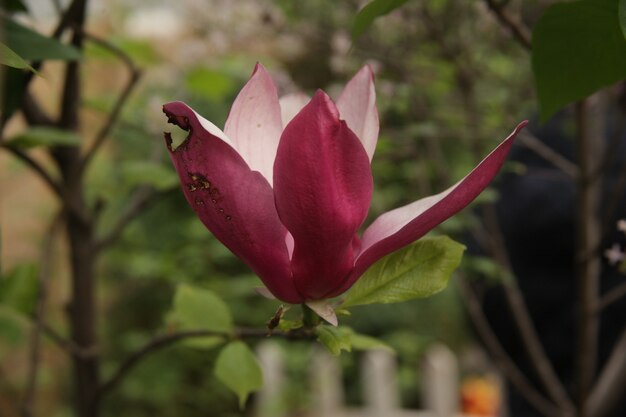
[
  {"x": 166, "y": 340},
  {"x": 617, "y": 193},
  {"x": 502, "y": 359},
  {"x": 609, "y": 389},
  {"x": 587, "y": 259},
  {"x": 547, "y": 153},
  {"x": 28, "y": 401},
  {"x": 36, "y": 167},
  {"x": 610, "y": 297},
  {"x": 530, "y": 338},
  {"x": 67, "y": 345},
  {"x": 141, "y": 198},
  {"x": 114, "y": 114},
  {"x": 519, "y": 31}
]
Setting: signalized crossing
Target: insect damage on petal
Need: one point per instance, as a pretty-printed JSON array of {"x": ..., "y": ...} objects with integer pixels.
[
  {"x": 180, "y": 121},
  {"x": 200, "y": 183}
]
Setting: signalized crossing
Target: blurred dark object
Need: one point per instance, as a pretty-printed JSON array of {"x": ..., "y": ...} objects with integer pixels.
[{"x": 536, "y": 216}]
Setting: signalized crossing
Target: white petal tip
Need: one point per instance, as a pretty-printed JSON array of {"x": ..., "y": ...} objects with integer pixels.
[
  {"x": 324, "y": 310},
  {"x": 265, "y": 293}
]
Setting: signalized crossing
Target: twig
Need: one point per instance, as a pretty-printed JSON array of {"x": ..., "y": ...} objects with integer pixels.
[
  {"x": 610, "y": 297},
  {"x": 503, "y": 360},
  {"x": 609, "y": 390},
  {"x": 166, "y": 340},
  {"x": 67, "y": 345},
  {"x": 142, "y": 196},
  {"x": 587, "y": 261},
  {"x": 135, "y": 73},
  {"x": 517, "y": 28},
  {"x": 28, "y": 401},
  {"x": 547, "y": 153},
  {"x": 521, "y": 315},
  {"x": 617, "y": 193},
  {"x": 35, "y": 166}
]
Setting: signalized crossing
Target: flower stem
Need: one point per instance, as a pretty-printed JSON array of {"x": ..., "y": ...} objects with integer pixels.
[{"x": 310, "y": 319}]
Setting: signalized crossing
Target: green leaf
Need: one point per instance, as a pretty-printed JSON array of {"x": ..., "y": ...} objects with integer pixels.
[
  {"x": 370, "y": 12},
  {"x": 416, "y": 271},
  {"x": 209, "y": 84},
  {"x": 335, "y": 339},
  {"x": 44, "y": 136},
  {"x": 577, "y": 49},
  {"x": 14, "y": 6},
  {"x": 239, "y": 370},
  {"x": 15, "y": 81},
  {"x": 18, "y": 288},
  {"x": 30, "y": 45},
  {"x": 622, "y": 16},
  {"x": 199, "y": 309},
  {"x": 9, "y": 58},
  {"x": 138, "y": 173},
  {"x": 286, "y": 325},
  {"x": 363, "y": 342},
  {"x": 13, "y": 327}
]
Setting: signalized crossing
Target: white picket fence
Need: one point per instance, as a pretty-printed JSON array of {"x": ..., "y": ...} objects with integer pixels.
[{"x": 440, "y": 386}]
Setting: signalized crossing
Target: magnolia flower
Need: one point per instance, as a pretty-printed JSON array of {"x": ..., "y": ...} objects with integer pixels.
[{"x": 287, "y": 185}]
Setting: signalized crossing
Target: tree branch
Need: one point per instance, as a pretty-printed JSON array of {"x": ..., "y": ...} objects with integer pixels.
[
  {"x": 36, "y": 167},
  {"x": 162, "y": 341},
  {"x": 610, "y": 297},
  {"x": 142, "y": 196},
  {"x": 28, "y": 401},
  {"x": 135, "y": 73},
  {"x": 587, "y": 260},
  {"x": 502, "y": 359},
  {"x": 609, "y": 389},
  {"x": 529, "y": 336},
  {"x": 547, "y": 153},
  {"x": 517, "y": 28}
]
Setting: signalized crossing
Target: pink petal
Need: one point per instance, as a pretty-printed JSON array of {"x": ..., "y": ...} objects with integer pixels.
[
  {"x": 322, "y": 187},
  {"x": 291, "y": 104},
  {"x": 254, "y": 123},
  {"x": 357, "y": 106},
  {"x": 235, "y": 203},
  {"x": 397, "y": 228}
]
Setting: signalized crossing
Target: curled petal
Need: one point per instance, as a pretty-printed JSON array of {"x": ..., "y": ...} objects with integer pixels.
[
  {"x": 322, "y": 188},
  {"x": 254, "y": 123},
  {"x": 357, "y": 106},
  {"x": 397, "y": 228},
  {"x": 235, "y": 203}
]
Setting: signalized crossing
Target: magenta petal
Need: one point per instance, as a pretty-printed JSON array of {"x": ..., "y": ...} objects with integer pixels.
[
  {"x": 322, "y": 187},
  {"x": 254, "y": 124},
  {"x": 235, "y": 203},
  {"x": 397, "y": 228},
  {"x": 357, "y": 106}
]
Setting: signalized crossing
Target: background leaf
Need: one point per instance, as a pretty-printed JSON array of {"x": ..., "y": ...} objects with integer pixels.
[
  {"x": 577, "y": 49},
  {"x": 9, "y": 58},
  {"x": 14, "y": 6},
  {"x": 138, "y": 173},
  {"x": 31, "y": 45},
  {"x": 416, "y": 271},
  {"x": 370, "y": 12},
  {"x": 18, "y": 288},
  {"x": 44, "y": 136},
  {"x": 622, "y": 16},
  {"x": 199, "y": 309},
  {"x": 239, "y": 370}
]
